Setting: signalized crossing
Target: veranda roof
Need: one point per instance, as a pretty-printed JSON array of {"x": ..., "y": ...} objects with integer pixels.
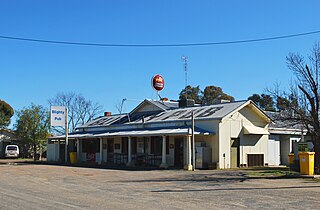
[{"x": 137, "y": 133}]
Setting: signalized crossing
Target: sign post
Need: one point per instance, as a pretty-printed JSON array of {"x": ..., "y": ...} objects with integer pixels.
[
  {"x": 67, "y": 140},
  {"x": 59, "y": 117}
]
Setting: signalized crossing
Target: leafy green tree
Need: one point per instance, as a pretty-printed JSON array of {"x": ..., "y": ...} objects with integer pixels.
[
  {"x": 264, "y": 101},
  {"x": 285, "y": 103},
  {"x": 282, "y": 103},
  {"x": 32, "y": 127},
  {"x": 191, "y": 93},
  {"x": 6, "y": 112},
  {"x": 212, "y": 94},
  {"x": 267, "y": 102},
  {"x": 255, "y": 98}
]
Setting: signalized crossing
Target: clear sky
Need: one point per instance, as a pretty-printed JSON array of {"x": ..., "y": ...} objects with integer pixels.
[{"x": 35, "y": 72}]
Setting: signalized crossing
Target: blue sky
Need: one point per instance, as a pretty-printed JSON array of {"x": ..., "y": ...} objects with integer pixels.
[{"x": 34, "y": 72}]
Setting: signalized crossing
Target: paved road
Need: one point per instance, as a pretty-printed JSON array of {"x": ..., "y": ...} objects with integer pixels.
[{"x": 28, "y": 186}]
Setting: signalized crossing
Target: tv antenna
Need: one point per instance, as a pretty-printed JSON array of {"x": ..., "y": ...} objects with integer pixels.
[{"x": 185, "y": 67}]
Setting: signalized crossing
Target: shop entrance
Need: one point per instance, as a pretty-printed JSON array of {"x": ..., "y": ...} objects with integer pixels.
[
  {"x": 235, "y": 153},
  {"x": 178, "y": 152},
  {"x": 110, "y": 150}
]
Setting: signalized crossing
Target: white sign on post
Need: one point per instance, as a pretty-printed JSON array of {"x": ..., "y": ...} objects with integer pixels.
[{"x": 58, "y": 115}]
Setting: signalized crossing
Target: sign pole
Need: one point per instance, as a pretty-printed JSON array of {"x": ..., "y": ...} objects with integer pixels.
[{"x": 67, "y": 142}]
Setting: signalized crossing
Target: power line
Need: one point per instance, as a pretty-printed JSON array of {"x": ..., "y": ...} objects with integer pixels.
[{"x": 159, "y": 45}]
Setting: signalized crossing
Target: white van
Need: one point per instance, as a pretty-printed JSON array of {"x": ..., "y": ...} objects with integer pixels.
[{"x": 12, "y": 151}]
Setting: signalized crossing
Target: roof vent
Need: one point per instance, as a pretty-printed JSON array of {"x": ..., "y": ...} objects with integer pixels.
[{"x": 186, "y": 103}]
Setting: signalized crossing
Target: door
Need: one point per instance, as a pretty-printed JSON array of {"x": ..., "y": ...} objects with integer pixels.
[
  {"x": 235, "y": 153},
  {"x": 178, "y": 152},
  {"x": 274, "y": 152},
  {"x": 110, "y": 149},
  {"x": 104, "y": 151}
]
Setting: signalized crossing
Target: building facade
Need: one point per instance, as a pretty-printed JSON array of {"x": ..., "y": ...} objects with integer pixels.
[{"x": 160, "y": 133}]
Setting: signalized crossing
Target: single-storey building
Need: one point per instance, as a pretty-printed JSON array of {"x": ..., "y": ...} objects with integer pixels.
[
  {"x": 226, "y": 135},
  {"x": 283, "y": 134}
]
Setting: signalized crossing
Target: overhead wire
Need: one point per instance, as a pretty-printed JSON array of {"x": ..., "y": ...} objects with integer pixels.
[{"x": 158, "y": 45}]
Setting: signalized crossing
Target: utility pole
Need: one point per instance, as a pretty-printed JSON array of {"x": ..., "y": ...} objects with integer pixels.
[{"x": 185, "y": 67}]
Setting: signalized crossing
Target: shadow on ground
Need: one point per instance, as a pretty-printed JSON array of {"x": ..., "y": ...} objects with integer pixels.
[{"x": 233, "y": 189}]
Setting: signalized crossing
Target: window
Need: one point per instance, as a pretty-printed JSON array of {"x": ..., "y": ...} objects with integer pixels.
[
  {"x": 91, "y": 146},
  {"x": 116, "y": 146}
]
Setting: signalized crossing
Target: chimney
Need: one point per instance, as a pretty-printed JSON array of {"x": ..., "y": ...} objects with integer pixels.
[
  {"x": 106, "y": 114},
  {"x": 220, "y": 101},
  {"x": 186, "y": 103}
]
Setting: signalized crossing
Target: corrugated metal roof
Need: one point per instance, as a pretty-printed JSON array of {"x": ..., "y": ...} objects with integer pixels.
[
  {"x": 165, "y": 104},
  {"x": 137, "y": 132},
  {"x": 217, "y": 111},
  {"x": 103, "y": 121},
  {"x": 281, "y": 121},
  {"x": 157, "y": 132}
]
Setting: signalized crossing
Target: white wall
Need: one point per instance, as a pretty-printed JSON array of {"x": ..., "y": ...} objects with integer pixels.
[
  {"x": 232, "y": 127},
  {"x": 53, "y": 152},
  {"x": 212, "y": 140}
]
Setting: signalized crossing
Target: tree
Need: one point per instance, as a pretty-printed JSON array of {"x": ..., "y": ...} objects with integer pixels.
[
  {"x": 80, "y": 110},
  {"x": 32, "y": 127},
  {"x": 264, "y": 101},
  {"x": 303, "y": 96},
  {"x": 307, "y": 81},
  {"x": 267, "y": 102},
  {"x": 191, "y": 93},
  {"x": 6, "y": 112},
  {"x": 255, "y": 98},
  {"x": 212, "y": 94},
  {"x": 284, "y": 103}
]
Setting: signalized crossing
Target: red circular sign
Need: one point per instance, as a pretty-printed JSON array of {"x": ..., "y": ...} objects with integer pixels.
[{"x": 157, "y": 82}]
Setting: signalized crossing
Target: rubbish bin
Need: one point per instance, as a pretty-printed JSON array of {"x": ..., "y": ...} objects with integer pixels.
[
  {"x": 306, "y": 163},
  {"x": 291, "y": 162},
  {"x": 73, "y": 157}
]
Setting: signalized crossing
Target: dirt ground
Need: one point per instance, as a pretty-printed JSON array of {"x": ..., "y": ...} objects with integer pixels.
[{"x": 38, "y": 186}]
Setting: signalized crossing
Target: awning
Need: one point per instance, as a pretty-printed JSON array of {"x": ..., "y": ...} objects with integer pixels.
[
  {"x": 158, "y": 132},
  {"x": 74, "y": 136},
  {"x": 249, "y": 129},
  {"x": 136, "y": 133}
]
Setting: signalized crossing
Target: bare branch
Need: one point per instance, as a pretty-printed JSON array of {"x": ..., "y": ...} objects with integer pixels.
[{"x": 80, "y": 109}]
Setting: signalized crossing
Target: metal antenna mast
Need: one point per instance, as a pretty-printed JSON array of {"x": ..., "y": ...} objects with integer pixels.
[{"x": 185, "y": 66}]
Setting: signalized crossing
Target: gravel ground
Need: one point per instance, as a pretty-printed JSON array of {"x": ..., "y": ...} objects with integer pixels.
[{"x": 35, "y": 186}]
